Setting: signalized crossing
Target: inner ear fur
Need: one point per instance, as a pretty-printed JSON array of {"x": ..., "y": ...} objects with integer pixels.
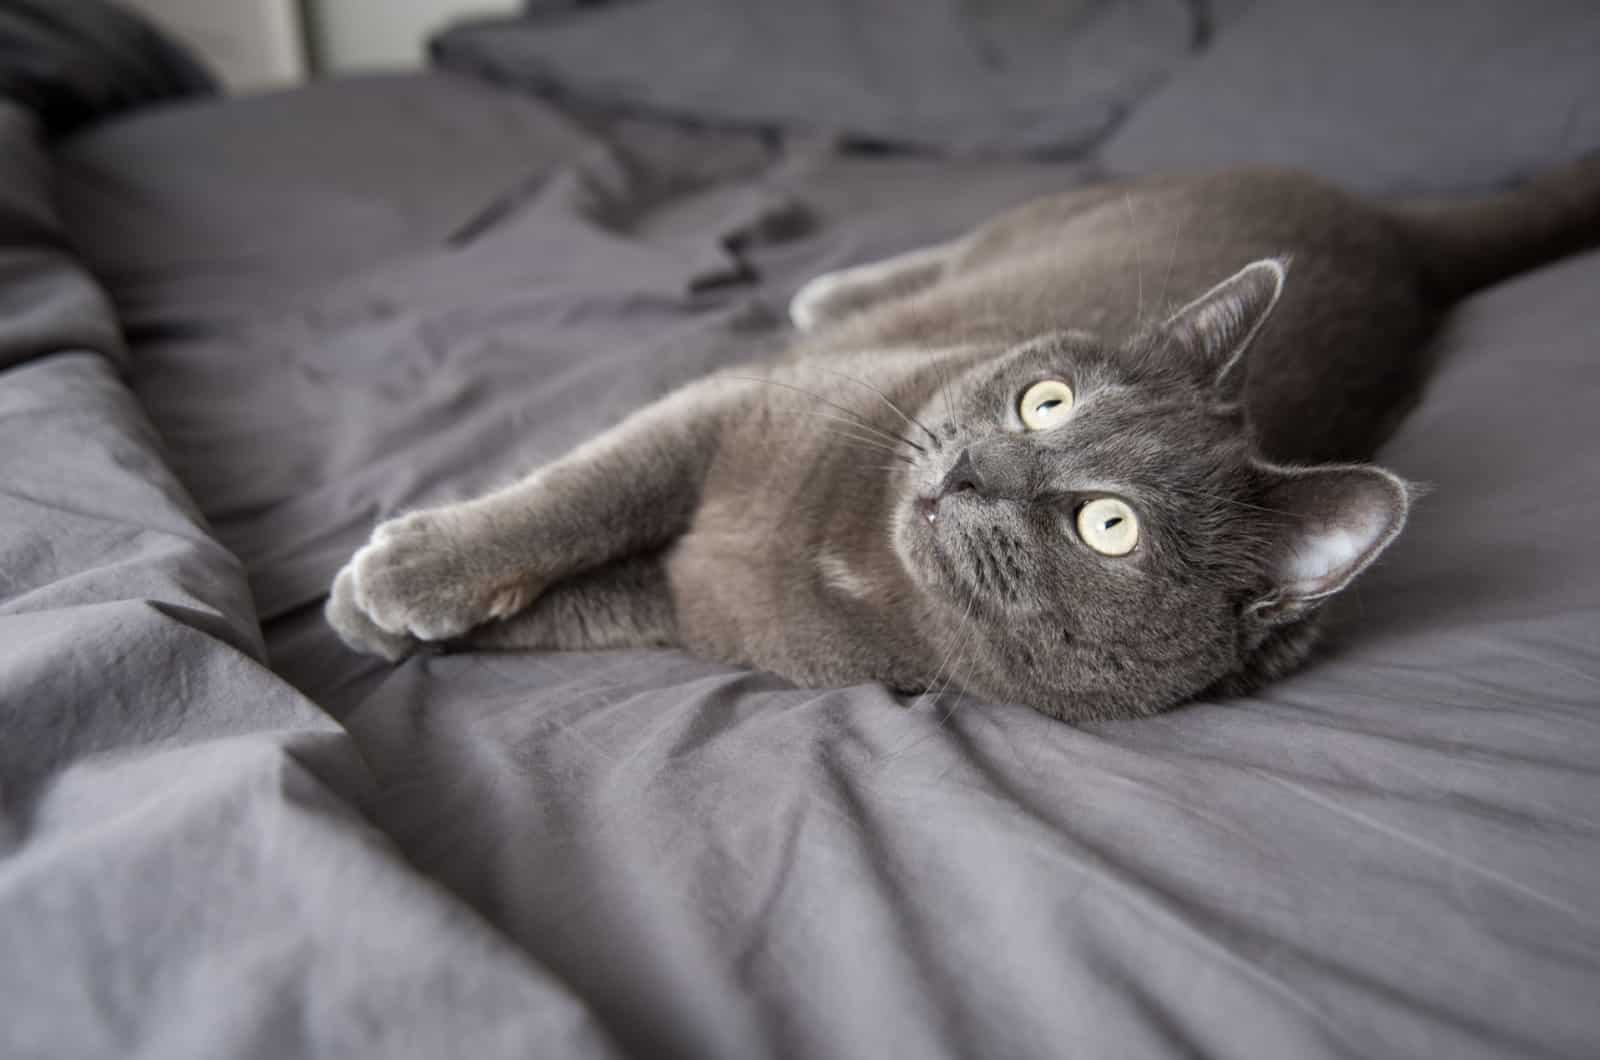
[
  {"x": 1330, "y": 523},
  {"x": 1214, "y": 331}
]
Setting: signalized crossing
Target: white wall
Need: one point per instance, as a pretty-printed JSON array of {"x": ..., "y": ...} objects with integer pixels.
[
  {"x": 256, "y": 44},
  {"x": 248, "y": 43},
  {"x": 384, "y": 34}
]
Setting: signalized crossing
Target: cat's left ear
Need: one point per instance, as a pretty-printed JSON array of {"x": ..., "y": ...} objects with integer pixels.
[
  {"x": 1330, "y": 523},
  {"x": 1214, "y": 331}
]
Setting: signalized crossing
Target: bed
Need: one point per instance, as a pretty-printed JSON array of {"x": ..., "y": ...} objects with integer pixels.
[{"x": 234, "y": 333}]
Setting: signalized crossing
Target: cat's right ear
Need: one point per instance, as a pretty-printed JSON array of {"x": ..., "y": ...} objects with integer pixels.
[
  {"x": 1331, "y": 521},
  {"x": 1214, "y": 331}
]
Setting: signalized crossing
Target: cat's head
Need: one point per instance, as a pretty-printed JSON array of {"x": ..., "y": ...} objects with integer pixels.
[{"x": 1104, "y": 535}]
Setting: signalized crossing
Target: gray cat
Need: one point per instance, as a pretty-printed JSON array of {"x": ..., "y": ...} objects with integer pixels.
[{"x": 1003, "y": 464}]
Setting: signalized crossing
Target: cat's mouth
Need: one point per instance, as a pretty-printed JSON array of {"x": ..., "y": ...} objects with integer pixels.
[
  {"x": 939, "y": 516},
  {"x": 940, "y": 538},
  {"x": 967, "y": 555},
  {"x": 919, "y": 527},
  {"x": 943, "y": 537}
]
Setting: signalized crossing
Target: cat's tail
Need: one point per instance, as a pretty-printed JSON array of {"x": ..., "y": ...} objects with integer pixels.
[{"x": 1470, "y": 244}]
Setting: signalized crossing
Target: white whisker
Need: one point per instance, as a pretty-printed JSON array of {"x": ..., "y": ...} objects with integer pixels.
[
  {"x": 961, "y": 641},
  {"x": 1138, "y": 262},
  {"x": 1172, "y": 256}
]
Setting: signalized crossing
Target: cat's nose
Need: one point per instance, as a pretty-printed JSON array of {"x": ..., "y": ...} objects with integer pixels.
[{"x": 962, "y": 477}]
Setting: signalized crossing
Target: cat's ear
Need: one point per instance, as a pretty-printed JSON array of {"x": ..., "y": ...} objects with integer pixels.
[
  {"x": 1330, "y": 523},
  {"x": 1213, "y": 331}
]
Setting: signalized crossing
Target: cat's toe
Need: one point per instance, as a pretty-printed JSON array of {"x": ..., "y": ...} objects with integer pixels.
[
  {"x": 423, "y": 576},
  {"x": 358, "y": 631}
]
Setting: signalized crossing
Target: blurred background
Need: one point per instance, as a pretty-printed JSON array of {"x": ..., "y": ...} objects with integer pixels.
[{"x": 257, "y": 44}]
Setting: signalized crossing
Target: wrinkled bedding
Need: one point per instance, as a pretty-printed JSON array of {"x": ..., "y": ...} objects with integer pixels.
[
  {"x": 945, "y": 75},
  {"x": 227, "y": 353}
]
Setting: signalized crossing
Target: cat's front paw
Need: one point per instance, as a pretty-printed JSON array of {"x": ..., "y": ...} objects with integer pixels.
[
  {"x": 433, "y": 575},
  {"x": 356, "y": 629}
]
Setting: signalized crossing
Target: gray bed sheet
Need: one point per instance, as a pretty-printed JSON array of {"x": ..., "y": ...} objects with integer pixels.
[{"x": 226, "y": 836}]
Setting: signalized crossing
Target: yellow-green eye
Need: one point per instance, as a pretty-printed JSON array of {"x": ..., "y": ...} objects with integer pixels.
[
  {"x": 1045, "y": 404},
  {"x": 1108, "y": 526}
]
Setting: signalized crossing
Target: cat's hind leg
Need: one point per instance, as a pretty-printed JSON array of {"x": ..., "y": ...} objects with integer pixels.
[
  {"x": 626, "y": 604},
  {"x": 835, "y": 295}
]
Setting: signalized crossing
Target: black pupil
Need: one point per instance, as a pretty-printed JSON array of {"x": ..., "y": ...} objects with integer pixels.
[
  {"x": 1046, "y": 406},
  {"x": 1113, "y": 521}
]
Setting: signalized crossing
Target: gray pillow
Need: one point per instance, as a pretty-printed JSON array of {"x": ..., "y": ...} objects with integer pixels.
[
  {"x": 956, "y": 76},
  {"x": 1428, "y": 95}
]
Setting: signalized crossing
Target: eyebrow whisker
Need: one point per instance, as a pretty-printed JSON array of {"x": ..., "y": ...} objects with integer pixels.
[{"x": 911, "y": 420}]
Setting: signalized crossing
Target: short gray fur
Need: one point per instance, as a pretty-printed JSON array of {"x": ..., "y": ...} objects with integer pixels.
[{"x": 870, "y": 507}]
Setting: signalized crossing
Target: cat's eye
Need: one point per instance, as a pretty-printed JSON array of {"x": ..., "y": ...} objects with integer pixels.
[
  {"x": 1045, "y": 404},
  {"x": 1108, "y": 526}
]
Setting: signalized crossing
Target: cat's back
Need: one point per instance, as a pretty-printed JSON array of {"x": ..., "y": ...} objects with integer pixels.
[
  {"x": 1115, "y": 260},
  {"x": 1215, "y": 211}
]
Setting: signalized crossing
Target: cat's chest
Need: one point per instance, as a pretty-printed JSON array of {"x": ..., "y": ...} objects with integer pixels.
[
  {"x": 784, "y": 553},
  {"x": 766, "y": 511},
  {"x": 792, "y": 529}
]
